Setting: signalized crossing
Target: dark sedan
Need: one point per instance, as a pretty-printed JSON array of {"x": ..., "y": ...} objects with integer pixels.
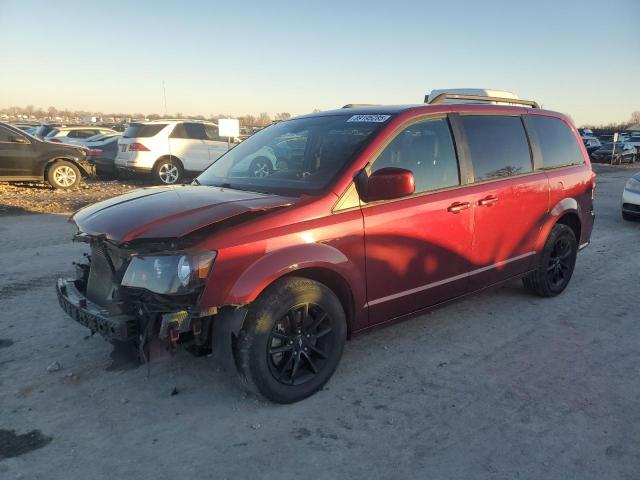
[
  {"x": 24, "y": 157},
  {"x": 102, "y": 154},
  {"x": 624, "y": 153}
]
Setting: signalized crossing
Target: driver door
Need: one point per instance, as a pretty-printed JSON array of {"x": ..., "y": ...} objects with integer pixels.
[
  {"x": 418, "y": 247},
  {"x": 17, "y": 155}
]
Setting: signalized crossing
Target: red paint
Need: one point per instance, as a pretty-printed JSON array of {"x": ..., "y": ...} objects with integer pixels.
[{"x": 396, "y": 256}]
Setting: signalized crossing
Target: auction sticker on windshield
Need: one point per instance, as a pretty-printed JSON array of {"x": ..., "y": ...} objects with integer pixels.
[{"x": 369, "y": 118}]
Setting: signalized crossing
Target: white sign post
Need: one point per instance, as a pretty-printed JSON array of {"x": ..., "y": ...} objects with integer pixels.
[
  {"x": 613, "y": 149},
  {"x": 229, "y": 127}
]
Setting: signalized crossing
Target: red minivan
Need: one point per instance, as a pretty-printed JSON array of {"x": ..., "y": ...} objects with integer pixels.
[{"x": 373, "y": 214}]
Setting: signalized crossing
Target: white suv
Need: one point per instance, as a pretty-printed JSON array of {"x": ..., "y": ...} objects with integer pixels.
[
  {"x": 75, "y": 135},
  {"x": 169, "y": 148}
]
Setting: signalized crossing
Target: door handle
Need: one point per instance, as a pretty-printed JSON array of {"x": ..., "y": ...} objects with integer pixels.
[
  {"x": 488, "y": 201},
  {"x": 457, "y": 207}
]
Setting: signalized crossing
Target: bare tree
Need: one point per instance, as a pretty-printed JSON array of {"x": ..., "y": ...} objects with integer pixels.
[
  {"x": 264, "y": 119},
  {"x": 283, "y": 116}
]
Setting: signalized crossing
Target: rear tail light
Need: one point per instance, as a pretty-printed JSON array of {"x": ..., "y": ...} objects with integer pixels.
[
  {"x": 137, "y": 147},
  {"x": 94, "y": 152}
]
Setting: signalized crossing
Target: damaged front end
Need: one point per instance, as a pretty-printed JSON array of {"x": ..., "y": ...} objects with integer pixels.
[{"x": 133, "y": 292}]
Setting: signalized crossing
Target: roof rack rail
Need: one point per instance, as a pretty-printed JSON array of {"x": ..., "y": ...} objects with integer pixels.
[
  {"x": 358, "y": 105},
  {"x": 482, "y": 98}
]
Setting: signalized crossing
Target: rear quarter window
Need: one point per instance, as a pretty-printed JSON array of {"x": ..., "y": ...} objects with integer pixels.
[
  {"x": 498, "y": 146},
  {"x": 138, "y": 130},
  {"x": 558, "y": 144}
]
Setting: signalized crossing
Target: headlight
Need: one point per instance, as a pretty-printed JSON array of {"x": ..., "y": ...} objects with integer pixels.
[
  {"x": 168, "y": 274},
  {"x": 633, "y": 185}
]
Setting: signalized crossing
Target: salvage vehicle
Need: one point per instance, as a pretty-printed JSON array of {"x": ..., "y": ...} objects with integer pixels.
[
  {"x": 391, "y": 211},
  {"x": 23, "y": 157}
]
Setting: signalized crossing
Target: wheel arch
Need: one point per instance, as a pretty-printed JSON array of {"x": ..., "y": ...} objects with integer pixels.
[
  {"x": 572, "y": 220},
  {"x": 58, "y": 158},
  {"x": 566, "y": 212},
  {"x": 336, "y": 283},
  {"x": 319, "y": 262},
  {"x": 168, "y": 156}
]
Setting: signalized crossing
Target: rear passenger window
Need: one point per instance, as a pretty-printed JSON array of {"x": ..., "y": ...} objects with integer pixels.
[
  {"x": 192, "y": 131},
  {"x": 427, "y": 150},
  {"x": 558, "y": 144},
  {"x": 498, "y": 146}
]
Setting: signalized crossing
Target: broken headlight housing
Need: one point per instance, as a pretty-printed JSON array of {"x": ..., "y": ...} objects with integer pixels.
[{"x": 168, "y": 274}]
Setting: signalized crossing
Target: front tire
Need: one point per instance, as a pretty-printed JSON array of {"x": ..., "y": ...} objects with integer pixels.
[
  {"x": 261, "y": 167},
  {"x": 168, "y": 171},
  {"x": 292, "y": 340},
  {"x": 63, "y": 175},
  {"x": 556, "y": 263},
  {"x": 628, "y": 217}
]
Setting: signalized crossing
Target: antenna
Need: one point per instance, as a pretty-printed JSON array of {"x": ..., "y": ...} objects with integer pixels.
[{"x": 164, "y": 94}]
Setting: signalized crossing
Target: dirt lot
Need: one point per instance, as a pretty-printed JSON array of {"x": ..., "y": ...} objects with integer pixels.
[
  {"x": 41, "y": 198},
  {"x": 502, "y": 385}
]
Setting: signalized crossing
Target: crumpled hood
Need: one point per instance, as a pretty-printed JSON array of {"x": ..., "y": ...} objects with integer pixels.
[{"x": 169, "y": 212}]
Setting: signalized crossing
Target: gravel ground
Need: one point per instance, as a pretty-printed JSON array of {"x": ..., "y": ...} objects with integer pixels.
[
  {"x": 41, "y": 198},
  {"x": 502, "y": 385}
]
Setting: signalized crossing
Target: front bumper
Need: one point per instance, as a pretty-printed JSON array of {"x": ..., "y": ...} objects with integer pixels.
[
  {"x": 92, "y": 316},
  {"x": 631, "y": 202}
]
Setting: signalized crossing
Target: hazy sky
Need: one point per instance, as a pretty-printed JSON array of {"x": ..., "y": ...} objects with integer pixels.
[{"x": 236, "y": 57}]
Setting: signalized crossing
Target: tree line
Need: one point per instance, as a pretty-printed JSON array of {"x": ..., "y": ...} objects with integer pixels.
[{"x": 52, "y": 113}]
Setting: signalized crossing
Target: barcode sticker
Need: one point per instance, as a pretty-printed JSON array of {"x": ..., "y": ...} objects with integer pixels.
[{"x": 369, "y": 118}]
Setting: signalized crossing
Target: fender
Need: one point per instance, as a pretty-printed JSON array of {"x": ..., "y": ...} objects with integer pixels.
[
  {"x": 564, "y": 206},
  {"x": 75, "y": 161},
  {"x": 278, "y": 263}
]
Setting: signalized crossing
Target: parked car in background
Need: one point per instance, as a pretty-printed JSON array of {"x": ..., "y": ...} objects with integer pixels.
[
  {"x": 390, "y": 211},
  {"x": 24, "y": 157},
  {"x": 624, "y": 153},
  {"x": 167, "y": 149},
  {"x": 591, "y": 143},
  {"x": 634, "y": 139},
  {"x": 43, "y": 129},
  {"x": 631, "y": 198},
  {"x": 75, "y": 134},
  {"x": 102, "y": 154},
  {"x": 97, "y": 138}
]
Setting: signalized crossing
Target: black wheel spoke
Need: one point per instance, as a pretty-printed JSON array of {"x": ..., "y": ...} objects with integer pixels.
[
  {"x": 285, "y": 366},
  {"x": 296, "y": 365},
  {"x": 318, "y": 352},
  {"x": 281, "y": 349},
  {"x": 312, "y": 365},
  {"x": 323, "y": 332},
  {"x": 318, "y": 322},
  {"x": 281, "y": 336}
]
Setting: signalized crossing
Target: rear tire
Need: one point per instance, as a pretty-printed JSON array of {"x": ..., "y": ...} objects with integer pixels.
[
  {"x": 63, "y": 175},
  {"x": 292, "y": 340},
  {"x": 555, "y": 264},
  {"x": 168, "y": 171}
]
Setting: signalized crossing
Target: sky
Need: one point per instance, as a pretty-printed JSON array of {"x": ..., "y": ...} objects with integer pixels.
[{"x": 246, "y": 57}]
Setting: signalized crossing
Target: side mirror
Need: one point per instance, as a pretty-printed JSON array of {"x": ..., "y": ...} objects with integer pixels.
[
  {"x": 21, "y": 140},
  {"x": 388, "y": 183}
]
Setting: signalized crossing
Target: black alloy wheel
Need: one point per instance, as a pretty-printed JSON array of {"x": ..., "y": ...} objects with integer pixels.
[
  {"x": 300, "y": 343},
  {"x": 560, "y": 263},
  {"x": 555, "y": 264},
  {"x": 292, "y": 340}
]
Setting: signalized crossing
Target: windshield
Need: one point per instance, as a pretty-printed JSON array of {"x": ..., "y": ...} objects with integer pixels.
[{"x": 300, "y": 156}]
